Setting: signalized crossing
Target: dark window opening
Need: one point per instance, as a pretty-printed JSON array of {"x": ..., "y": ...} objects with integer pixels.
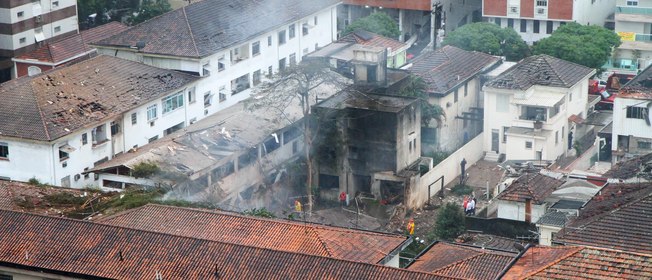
[
  {"x": 329, "y": 182},
  {"x": 271, "y": 144}
]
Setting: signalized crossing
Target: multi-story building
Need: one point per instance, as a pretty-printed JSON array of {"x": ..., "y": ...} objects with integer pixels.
[
  {"x": 534, "y": 107},
  {"x": 235, "y": 44},
  {"x": 60, "y": 123},
  {"x": 416, "y": 18},
  {"x": 537, "y": 19},
  {"x": 633, "y": 23},
  {"x": 632, "y": 124},
  {"x": 26, "y": 24}
]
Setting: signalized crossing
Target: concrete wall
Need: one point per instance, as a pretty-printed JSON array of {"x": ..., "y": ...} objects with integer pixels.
[
  {"x": 449, "y": 168},
  {"x": 622, "y": 125},
  {"x": 512, "y": 210},
  {"x": 545, "y": 234}
]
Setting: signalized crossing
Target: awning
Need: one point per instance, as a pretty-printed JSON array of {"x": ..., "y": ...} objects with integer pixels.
[
  {"x": 548, "y": 99},
  {"x": 39, "y": 36},
  {"x": 67, "y": 148},
  {"x": 576, "y": 119}
]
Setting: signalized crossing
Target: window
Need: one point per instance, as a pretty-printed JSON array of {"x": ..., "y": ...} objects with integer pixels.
[
  {"x": 223, "y": 93},
  {"x": 207, "y": 99},
  {"x": 542, "y": 3},
  {"x": 151, "y": 113},
  {"x": 549, "y": 27},
  {"x": 523, "y": 25},
  {"x": 191, "y": 95},
  {"x": 528, "y": 145},
  {"x": 4, "y": 150},
  {"x": 84, "y": 138},
  {"x": 505, "y": 130},
  {"x": 304, "y": 29},
  {"x": 497, "y": 21},
  {"x": 271, "y": 144},
  {"x": 637, "y": 112},
  {"x": 63, "y": 155},
  {"x": 256, "y": 77},
  {"x": 172, "y": 103},
  {"x": 466, "y": 89},
  {"x": 644, "y": 145},
  {"x": 220, "y": 65},
  {"x": 115, "y": 128},
  {"x": 33, "y": 70},
  {"x": 556, "y": 137},
  {"x": 270, "y": 71},
  {"x": 55, "y": 4},
  {"x": 134, "y": 118},
  {"x": 293, "y": 59},
  {"x": 455, "y": 96},
  {"x": 98, "y": 135},
  {"x": 535, "y": 26},
  {"x": 20, "y": 14},
  {"x": 281, "y": 37},
  {"x": 22, "y": 40},
  {"x": 240, "y": 84},
  {"x": 502, "y": 103},
  {"x": 315, "y": 20},
  {"x": 204, "y": 69},
  {"x": 255, "y": 48},
  {"x": 150, "y": 140},
  {"x": 291, "y": 134},
  {"x": 510, "y": 22},
  {"x": 291, "y": 31},
  {"x": 269, "y": 41},
  {"x": 632, "y": 2},
  {"x": 281, "y": 64}
]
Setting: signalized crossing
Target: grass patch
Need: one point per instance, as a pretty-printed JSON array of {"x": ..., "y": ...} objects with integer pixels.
[{"x": 460, "y": 190}]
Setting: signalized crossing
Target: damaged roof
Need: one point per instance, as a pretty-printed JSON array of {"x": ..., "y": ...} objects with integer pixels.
[
  {"x": 58, "y": 102},
  {"x": 445, "y": 69},
  {"x": 90, "y": 250},
  {"x": 554, "y": 218},
  {"x": 541, "y": 70},
  {"x": 618, "y": 217},
  {"x": 351, "y": 98},
  {"x": 371, "y": 39},
  {"x": 632, "y": 168},
  {"x": 571, "y": 262},
  {"x": 275, "y": 234},
  {"x": 535, "y": 187},
  {"x": 639, "y": 87},
  {"x": 463, "y": 261},
  {"x": 206, "y": 27}
]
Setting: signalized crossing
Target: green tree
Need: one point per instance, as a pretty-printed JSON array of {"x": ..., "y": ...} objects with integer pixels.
[
  {"x": 489, "y": 38},
  {"x": 588, "y": 45},
  {"x": 116, "y": 9},
  {"x": 379, "y": 23},
  {"x": 150, "y": 9},
  {"x": 450, "y": 222},
  {"x": 416, "y": 87},
  {"x": 259, "y": 212}
]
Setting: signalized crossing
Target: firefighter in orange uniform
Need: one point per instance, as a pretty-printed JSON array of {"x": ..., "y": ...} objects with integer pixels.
[{"x": 410, "y": 226}]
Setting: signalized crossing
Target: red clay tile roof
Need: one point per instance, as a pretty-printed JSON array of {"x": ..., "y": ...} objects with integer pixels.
[
  {"x": 56, "y": 103},
  {"x": 367, "y": 38},
  {"x": 462, "y": 261},
  {"x": 43, "y": 243},
  {"x": 205, "y": 27},
  {"x": 619, "y": 217},
  {"x": 540, "y": 70},
  {"x": 276, "y": 234},
  {"x": 580, "y": 263},
  {"x": 535, "y": 187},
  {"x": 449, "y": 67},
  {"x": 58, "y": 51},
  {"x": 103, "y": 31},
  {"x": 630, "y": 168}
]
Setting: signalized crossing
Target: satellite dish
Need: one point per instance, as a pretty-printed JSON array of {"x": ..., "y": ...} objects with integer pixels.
[{"x": 519, "y": 247}]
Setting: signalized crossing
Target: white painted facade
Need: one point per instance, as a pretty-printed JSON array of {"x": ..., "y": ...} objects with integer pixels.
[
  {"x": 633, "y": 21},
  {"x": 219, "y": 82},
  {"x": 508, "y": 131},
  {"x": 50, "y": 168},
  {"x": 631, "y": 134},
  {"x": 513, "y": 210},
  {"x": 22, "y": 274},
  {"x": 546, "y": 234}
]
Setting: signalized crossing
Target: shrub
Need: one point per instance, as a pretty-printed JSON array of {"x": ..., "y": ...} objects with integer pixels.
[
  {"x": 450, "y": 222},
  {"x": 145, "y": 169},
  {"x": 64, "y": 199},
  {"x": 259, "y": 212},
  {"x": 461, "y": 189}
]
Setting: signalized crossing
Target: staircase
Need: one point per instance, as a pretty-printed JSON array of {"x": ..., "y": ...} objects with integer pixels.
[{"x": 491, "y": 156}]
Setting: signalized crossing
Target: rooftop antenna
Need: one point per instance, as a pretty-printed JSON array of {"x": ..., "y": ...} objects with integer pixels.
[
  {"x": 158, "y": 276},
  {"x": 120, "y": 256}
]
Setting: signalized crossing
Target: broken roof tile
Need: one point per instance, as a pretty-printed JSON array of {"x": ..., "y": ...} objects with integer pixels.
[{"x": 535, "y": 187}]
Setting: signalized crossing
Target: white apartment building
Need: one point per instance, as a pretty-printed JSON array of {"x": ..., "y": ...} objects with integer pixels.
[
  {"x": 633, "y": 23},
  {"x": 530, "y": 110},
  {"x": 632, "y": 124},
  {"x": 27, "y": 23},
  {"x": 537, "y": 19},
  {"x": 60, "y": 123},
  {"x": 235, "y": 44}
]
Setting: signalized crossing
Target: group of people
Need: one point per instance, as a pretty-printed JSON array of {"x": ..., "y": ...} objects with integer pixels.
[{"x": 469, "y": 205}]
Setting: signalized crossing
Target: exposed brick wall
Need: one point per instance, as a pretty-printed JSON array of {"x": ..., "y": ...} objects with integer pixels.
[
  {"x": 494, "y": 7},
  {"x": 21, "y": 68},
  {"x": 527, "y": 8},
  {"x": 560, "y": 9}
]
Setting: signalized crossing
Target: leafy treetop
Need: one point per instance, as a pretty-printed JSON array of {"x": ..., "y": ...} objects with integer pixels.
[
  {"x": 450, "y": 222},
  {"x": 489, "y": 38},
  {"x": 588, "y": 45},
  {"x": 379, "y": 23},
  {"x": 416, "y": 87}
]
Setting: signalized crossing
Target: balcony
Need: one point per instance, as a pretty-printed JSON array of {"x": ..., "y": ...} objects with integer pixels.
[
  {"x": 633, "y": 10},
  {"x": 621, "y": 64}
]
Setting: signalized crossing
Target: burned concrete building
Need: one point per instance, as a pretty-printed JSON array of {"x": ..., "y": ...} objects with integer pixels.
[{"x": 367, "y": 143}]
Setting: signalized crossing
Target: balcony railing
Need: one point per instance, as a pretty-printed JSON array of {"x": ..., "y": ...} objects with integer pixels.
[
  {"x": 633, "y": 10},
  {"x": 625, "y": 64}
]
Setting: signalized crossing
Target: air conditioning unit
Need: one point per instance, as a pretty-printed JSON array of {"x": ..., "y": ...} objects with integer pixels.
[
  {"x": 541, "y": 11},
  {"x": 38, "y": 19}
]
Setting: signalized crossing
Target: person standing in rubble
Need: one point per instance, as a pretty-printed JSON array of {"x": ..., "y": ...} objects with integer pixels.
[
  {"x": 410, "y": 227},
  {"x": 342, "y": 199},
  {"x": 298, "y": 207},
  {"x": 469, "y": 207},
  {"x": 465, "y": 203}
]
